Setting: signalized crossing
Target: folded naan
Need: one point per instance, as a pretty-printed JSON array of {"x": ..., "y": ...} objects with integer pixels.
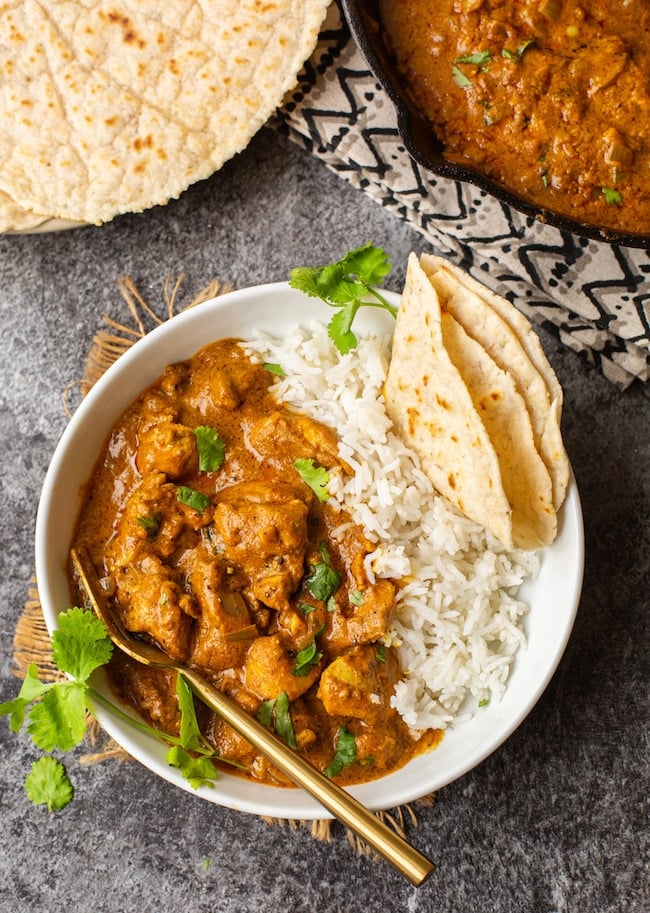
[{"x": 465, "y": 415}]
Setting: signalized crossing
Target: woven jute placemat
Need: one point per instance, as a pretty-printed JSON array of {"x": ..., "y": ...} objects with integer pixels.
[{"x": 31, "y": 642}]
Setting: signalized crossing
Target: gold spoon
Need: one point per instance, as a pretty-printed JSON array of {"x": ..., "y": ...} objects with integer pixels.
[{"x": 341, "y": 804}]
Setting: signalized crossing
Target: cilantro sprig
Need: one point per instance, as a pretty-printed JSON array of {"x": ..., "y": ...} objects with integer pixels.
[
  {"x": 324, "y": 580},
  {"x": 347, "y": 284},
  {"x": 275, "y": 714},
  {"x": 56, "y": 713},
  {"x": 346, "y": 752}
]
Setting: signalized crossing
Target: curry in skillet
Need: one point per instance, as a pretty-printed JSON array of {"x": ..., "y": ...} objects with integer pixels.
[
  {"x": 549, "y": 98},
  {"x": 212, "y": 545}
]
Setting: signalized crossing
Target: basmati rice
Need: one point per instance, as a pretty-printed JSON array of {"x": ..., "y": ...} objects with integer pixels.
[{"x": 458, "y": 622}]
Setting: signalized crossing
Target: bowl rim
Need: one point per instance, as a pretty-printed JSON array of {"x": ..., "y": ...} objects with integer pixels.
[
  {"x": 423, "y": 145},
  {"x": 187, "y": 332}
]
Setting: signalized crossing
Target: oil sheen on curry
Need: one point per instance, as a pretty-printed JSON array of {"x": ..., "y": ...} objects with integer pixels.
[
  {"x": 214, "y": 547},
  {"x": 549, "y": 98}
]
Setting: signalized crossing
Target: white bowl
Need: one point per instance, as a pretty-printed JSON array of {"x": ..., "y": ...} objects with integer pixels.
[{"x": 552, "y": 596}]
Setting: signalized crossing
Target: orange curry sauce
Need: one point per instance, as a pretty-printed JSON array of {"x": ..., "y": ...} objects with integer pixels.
[
  {"x": 224, "y": 581},
  {"x": 549, "y": 98}
]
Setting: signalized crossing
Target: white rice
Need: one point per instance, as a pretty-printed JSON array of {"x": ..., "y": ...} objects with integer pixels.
[{"x": 458, "y": 622}]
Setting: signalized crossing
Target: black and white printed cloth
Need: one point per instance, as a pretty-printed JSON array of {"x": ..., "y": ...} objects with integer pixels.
[{"x": 593, "y": 295}]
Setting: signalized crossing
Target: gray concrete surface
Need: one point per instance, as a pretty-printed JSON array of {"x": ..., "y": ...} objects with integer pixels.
[{"x": 554, "y": 822}]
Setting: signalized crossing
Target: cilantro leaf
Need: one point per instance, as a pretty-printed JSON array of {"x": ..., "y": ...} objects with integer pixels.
[
  {"x": 283, "y": 723},
  {"x": 307, "y": 658},
  {"x": 265, "y": 712},
  {"x": 316, "y": 477},
  {"x": 464, "y": 82},
  {"x": 192, "y": 498},
  {"x": 48, "y": 784},
  {"x": 30, "y": 690},
  {"x": 516, "y": 56},
  {"x": 80, "y": 644},
  {"x": 338, "y": 329},
  {"x": 198, "y": 771},
  {"x": 347, "y": 283},
  {"x": 151, "y": 524},
  {"x": 59, "y": 719},
  {"x": 274, "y": 368},
  {"x": 346, "y": 752},
  {"x": 324, "y": 580},
  {"x": 190, "y": 734},
  {"x": 275, "y": 714},
  {"x": 212, "y": 449},
  {"x": 479, "y": 58},
  {"x": 612, "y": 197}
]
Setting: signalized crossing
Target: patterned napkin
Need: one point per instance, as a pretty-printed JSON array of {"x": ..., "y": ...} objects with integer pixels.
[{"x": 594, "y": 296}]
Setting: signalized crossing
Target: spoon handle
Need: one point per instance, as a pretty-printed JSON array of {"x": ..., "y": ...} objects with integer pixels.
[{"x": 415, "y": 866}]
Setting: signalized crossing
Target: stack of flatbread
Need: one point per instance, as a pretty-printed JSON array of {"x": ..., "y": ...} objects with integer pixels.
[
  {"x": 112, "y": 106},
  {"x": 470, "y": 389}
]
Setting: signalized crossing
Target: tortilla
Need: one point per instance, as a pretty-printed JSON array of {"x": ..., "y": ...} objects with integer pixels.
[
  {"x": 432, "y": 411},
  {"x": 502, "y": 409},
  {"x": 512, "y": 343},
  {"x": 466, "y": 418},
  {"x": 115, "y": 106}
]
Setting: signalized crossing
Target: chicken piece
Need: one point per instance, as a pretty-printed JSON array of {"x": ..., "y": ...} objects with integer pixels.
[
  {"x": 224, "y": 629},
  {"x": 153, "y": 522},
  {"x": 366, "y": 617},
  {"x": 151, "y": 690},
  {"x": 167, "y": 447},
  {"x": 359, "y": 683},
  {"x": 156, "y": 407},
  {"x": 368, "y": 622},
  {"x": 153, "y": 603},
  {"x": 283, "y": 437},
  {"x": 263, "y": 528},
  {"x": 270, "y": 669}
]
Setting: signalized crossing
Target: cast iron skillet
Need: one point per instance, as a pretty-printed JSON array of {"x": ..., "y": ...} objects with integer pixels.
[{"x": 425, "y": 147}]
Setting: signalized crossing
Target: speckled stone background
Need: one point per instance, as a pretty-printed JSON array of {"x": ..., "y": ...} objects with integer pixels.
[{"x": 554, "y": 822}]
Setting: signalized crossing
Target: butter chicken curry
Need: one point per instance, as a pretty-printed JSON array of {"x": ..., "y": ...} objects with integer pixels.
[
  {"x": 549, "y": 98},
  {"x": 212, "y": 545}
]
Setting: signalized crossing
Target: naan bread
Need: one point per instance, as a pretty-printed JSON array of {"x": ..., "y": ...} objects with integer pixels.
[
  {"x": 112, "y": 106},
  {"x": 512, "y": 343},
  {"x": 432, "y": 411},
  {"x": 466, "y": 413}
]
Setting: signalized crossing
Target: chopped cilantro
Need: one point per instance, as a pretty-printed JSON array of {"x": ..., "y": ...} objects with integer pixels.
[
  {"x": 316, "y": 477},
  {"x": 283, "y": 724},
  {"x": 464, "y": 82},
  {"x": 612, "y": 197},
  {"x": 211, "y": 447},
  {"x": 192, "y": 498},
  {"x": 348, "y": 284},
  {"x": 274, "y": 369},
  {"x": 307, "y": 658},
  {"x": 275, "y": 713},
  {"x": 346, "y": 752},
  {"x": 356, "y": 597},
  {"x": 324, "y": 580},
  {"x": 516, "y": 56},
  {"x": 479, "y": 59},
  {"x": 151, "y": 524}
]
